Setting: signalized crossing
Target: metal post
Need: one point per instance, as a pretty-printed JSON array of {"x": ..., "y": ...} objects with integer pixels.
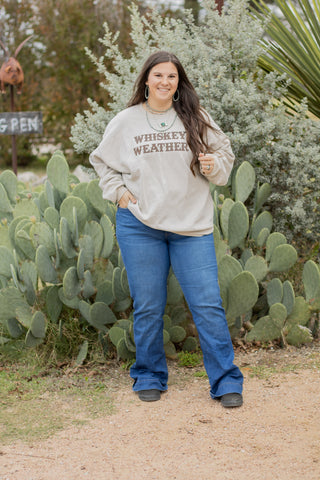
[{"x": 14, "y": 140}]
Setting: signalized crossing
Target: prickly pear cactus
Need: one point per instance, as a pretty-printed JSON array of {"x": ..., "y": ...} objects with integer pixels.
[
  {"x": 57, "y": 241},
  {"x": 260, "y": 306},
  {"x": 58, "y": 252},
  {"x": 122, "y": 337}
]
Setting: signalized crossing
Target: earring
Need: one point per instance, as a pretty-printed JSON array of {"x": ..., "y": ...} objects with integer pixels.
[
  {"x": 175, "y": 99},
  {"x": 146, "y": 92}
]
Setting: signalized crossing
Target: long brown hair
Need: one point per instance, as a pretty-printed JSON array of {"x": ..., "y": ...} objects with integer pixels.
[{"x": 188, "y": 107}]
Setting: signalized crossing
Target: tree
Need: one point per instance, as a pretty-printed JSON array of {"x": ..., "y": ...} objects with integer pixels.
[
  {"x": 59, "y": 75},
  {"x": 293, "y": 48},
  {"x": 16, "y": 24},
  {"x": 194, "y": 6},
  {"x": 66, "y": 28}
]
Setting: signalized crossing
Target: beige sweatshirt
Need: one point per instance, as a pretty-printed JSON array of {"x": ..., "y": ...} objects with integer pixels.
[{"x": 155, "y": 167}]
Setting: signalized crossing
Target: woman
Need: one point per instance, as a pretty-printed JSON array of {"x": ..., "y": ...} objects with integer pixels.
[{"x": 155, "y": 161}]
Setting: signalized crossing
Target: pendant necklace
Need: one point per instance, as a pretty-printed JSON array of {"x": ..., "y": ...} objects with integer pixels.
[{"x": 160, "y": 120}]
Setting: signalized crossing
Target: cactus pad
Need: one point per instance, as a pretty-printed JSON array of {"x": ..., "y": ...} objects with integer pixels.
[
  {"x": 101, "y": 315},
  {"x": 283, "y": 258},
  {"x": 264, "y": 220},
  {"x": 53, "y": 304},
  {"x": 84, "y": 308},
  {"x": 94, "y": 194},
  {"x": 129, "y": 343},
  {"x": 122, "y": 305},
  {"x": 167, "y": 323},
  {"x": 117, "y": 289},
  {"x": 105, "y": 293},
  {"x": 123, "y": 352},
  {"x": 26, "y": 208},
  {"x": 224, "y": 216},
  {"x": 66, "y": 210},
  {"x": 86, "y": 244},
  {"x": 4, "y": 236},
  {"x": 288, "y": 298},
  {"x": 41, "y": 234},
  {"x": 71, "y": 284},
  {"x": 14, "y": 328},
  {"x": 274, "y": 239},
  {"x": 262, "y": 196},
  {"x": 58, "y": 172},
  {"x": 94, "y": 230},
  {"x": 108, "y": 236},
  {"x": 88, "y": 289},
  {"x": 264, "y": 330},
  {"x": 278, "y": 313},
  {"x": 244, "y": 181},
  {"x": 24, "y": 243},
  {"x": 71, "y": 303},
  {"x": 9, "y": 180},
  {"x": 242, "y": 294},
  {"x": 170, "y": 350},
  {"x": 257, "y": 266},
  {"x": 51, "y": 216},
  {"x": 46, "y": 270},
  {"x": 274, "y": 291},
  {"x": 177, "y": 334},
  {"x": 263, "y": 237},
  {"x": 38, "y": 325},
  {"x": 31, "y": 341},
  {"x": 301, "y": 312},
  {"x": 178, "y": 315},
  {"x": 238, "y": 224},
  {"x": 5, "y": 205},
  {"x": 66, "y": 239},
  {"x": 6, "y": 258},
  {"x": 166, "y": 337},
  {"x": 299, "y": 335},
  {"x": 49, "y": 193},
  {"x": 124, "y": 282},
  {"x": 125, "y": 324},
  {"x": 190, "y": 344},
  {"x": 116, "y": 334},
  {"x": 311, "y": 281},
  {"x": 229, "y": 267}
]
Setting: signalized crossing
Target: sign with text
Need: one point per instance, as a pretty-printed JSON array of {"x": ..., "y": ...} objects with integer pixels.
[{"x": 20, "y": 123}]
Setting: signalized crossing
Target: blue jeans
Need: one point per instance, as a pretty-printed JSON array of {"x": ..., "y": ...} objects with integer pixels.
[{"x": 147, "y": 254}]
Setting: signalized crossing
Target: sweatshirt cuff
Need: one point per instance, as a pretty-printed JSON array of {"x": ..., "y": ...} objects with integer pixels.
[{"x": 120, "y": 191}]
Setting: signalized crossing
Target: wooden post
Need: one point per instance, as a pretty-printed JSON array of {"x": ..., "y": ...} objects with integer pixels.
[
  {"x": 219, "y": 4},
  {"x": 14, "y": 140}
]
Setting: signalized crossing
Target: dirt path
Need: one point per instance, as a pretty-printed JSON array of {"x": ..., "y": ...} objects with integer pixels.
[{"x": 187, "y": 436}]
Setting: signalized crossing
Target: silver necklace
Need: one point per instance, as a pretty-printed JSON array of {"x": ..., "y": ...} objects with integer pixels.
[
  {"x": 158, "y": 120},
  {"x": 153, "y": 110}
]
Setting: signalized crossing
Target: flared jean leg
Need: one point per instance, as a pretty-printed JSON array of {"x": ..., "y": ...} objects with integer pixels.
[
  {"x": 194, "y": 263},
  {"x": 146, "y": 259}
]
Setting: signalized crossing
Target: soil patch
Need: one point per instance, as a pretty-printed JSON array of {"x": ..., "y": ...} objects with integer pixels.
[{"x": 187, "y": 435}]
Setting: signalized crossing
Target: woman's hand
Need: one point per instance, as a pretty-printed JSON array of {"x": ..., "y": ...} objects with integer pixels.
[
  {"x": 125, "y": 199},
  {"x": 206, "y": 163}
]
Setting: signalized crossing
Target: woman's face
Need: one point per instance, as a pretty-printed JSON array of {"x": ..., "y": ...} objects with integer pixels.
[{"x": 162, "y": 81}]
